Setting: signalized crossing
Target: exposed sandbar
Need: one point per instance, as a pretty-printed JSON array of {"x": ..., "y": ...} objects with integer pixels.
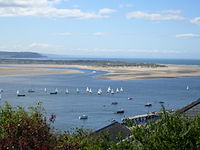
[
  {"x": 32, "y": 69},
  {"x": 134, "y": 73}
]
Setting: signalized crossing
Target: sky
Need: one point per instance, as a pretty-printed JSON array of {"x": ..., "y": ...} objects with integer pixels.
[{"x": 102, "y": 28}]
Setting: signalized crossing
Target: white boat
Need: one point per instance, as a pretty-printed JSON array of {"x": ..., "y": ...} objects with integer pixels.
[
  {"x": 83, "y": 117},
  {"x": 148, "y": 105},
  {"x": 56, "y": 90},
  {"x": 187, "y": 88},
  {"x": 87, "y": 89},
  {"x": 117, "y": 90},
  {"x": 121, "y": 89},
  {"x": 77, "y": 90},
  {"x": 20, "y": 95},
  {"x": 90, "y": 91},
  {"x": 94, "y": 71},
  {"x": 112, "y": 91},
  {"x": 66, "y": 91},
  {"x": 109, "y": 90},
  {"x": 120, "y": 111},
  {"x": 99, "y": 92},
  {"x": 45, "y": 89}
]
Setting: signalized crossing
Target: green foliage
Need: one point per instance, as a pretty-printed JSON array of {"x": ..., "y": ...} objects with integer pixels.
[
  {"x": 30, "y": 129},
  {"x": 171, "y": 132}
]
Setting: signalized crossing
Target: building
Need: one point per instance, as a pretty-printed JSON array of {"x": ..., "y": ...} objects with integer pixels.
[
  {"x": 113, "y": 131},
  {"x": 191, "y": 110}
]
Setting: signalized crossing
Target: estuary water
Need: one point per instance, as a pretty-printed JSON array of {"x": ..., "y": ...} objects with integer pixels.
[{"x": 98, "y": 108}]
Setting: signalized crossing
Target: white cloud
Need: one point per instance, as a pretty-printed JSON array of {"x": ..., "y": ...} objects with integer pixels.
[
  {"x": 106, "y": 11},
  {"x": 43, "y": 8},
  {"x": 195, "y": 20},
  {"x": 99, "y": 33},
  {"x": 187, "y": 35},
  {"x": 153, "y": 16}
]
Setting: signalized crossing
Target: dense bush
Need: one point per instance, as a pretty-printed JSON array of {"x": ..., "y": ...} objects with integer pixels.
[
  {"x": 29, "y": 129},
  {"x": 170, "y": 132}
]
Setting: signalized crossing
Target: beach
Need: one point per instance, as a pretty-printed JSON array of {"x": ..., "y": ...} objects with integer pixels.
[
  {"x": 114, "y": 73},
  {"x": 135, "y": 73},
  {"x": 34, "y": 69}
]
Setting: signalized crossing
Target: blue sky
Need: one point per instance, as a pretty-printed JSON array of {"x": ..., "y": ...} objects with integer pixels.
[{"x": 103, "y": 28}]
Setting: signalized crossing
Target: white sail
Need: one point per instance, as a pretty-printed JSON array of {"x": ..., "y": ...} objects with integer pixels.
[
  {"x": 121, "y": 89},
  {"x": 117, "y": 90},
  {"x": 87, "y": 89},
  {"x": 109, "y": 90},
  {"x": 66, "y": 91},
  {"x": 45, "y": 89},
  {"x": 90, "y": 91},
  {"x": 112, "y": 91},
  {"x": 17, "y": 92},
  {"x": 99, "y": 92},
  {"x": 187, "y": 87},
  {"x": 56, "y": 90},
  {"x": 77, "y": 90}
]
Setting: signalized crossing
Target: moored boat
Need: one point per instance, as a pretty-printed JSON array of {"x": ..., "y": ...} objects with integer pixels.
[
  {"x": 148, "y": 105},
  {"x": 114, "y": 103},
  {"x": 120, "y": 111},
  {"x": 83, "y": 117}
]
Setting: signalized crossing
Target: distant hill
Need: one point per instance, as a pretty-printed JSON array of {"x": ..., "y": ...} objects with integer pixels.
[{"x": 6, "y": 55}]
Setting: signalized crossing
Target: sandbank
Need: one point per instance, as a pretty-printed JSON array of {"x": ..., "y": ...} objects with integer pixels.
[
  {"x": 135, "y": 73},
  {"x": 31, "y": 69}
]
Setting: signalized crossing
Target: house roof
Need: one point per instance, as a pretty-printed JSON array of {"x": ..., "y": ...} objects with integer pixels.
[
  {"x": 191, "y": 105},
  {"x": 113, "y": 130}
]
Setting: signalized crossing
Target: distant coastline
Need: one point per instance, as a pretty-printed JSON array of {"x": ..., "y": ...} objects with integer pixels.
[{"x": 117, "y": 70}]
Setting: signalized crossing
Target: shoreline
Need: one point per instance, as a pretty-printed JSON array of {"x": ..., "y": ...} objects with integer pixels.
[
  {"x": 32, "y": 69},
  {"x": 114, "y": 73}
]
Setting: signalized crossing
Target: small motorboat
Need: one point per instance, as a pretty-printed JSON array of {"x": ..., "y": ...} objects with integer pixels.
[
  {"x": 20, "y": 95},
  {"x": 148, "y": 105},
  {"x": 55, "y": 92},
  {"x": 161, "y": 102},
  {"x": 114, "y": 103},
  {"x": 130, "y": 98},
  {"x": 120, "y": 111},
  {"x": 83, "y": 117}
]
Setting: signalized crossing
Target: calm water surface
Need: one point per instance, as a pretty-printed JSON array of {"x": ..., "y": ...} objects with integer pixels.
[{"x": 100, "y": 112}]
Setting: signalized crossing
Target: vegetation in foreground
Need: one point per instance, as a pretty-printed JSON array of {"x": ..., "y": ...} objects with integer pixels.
[{"x": 28, "y": 129}]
